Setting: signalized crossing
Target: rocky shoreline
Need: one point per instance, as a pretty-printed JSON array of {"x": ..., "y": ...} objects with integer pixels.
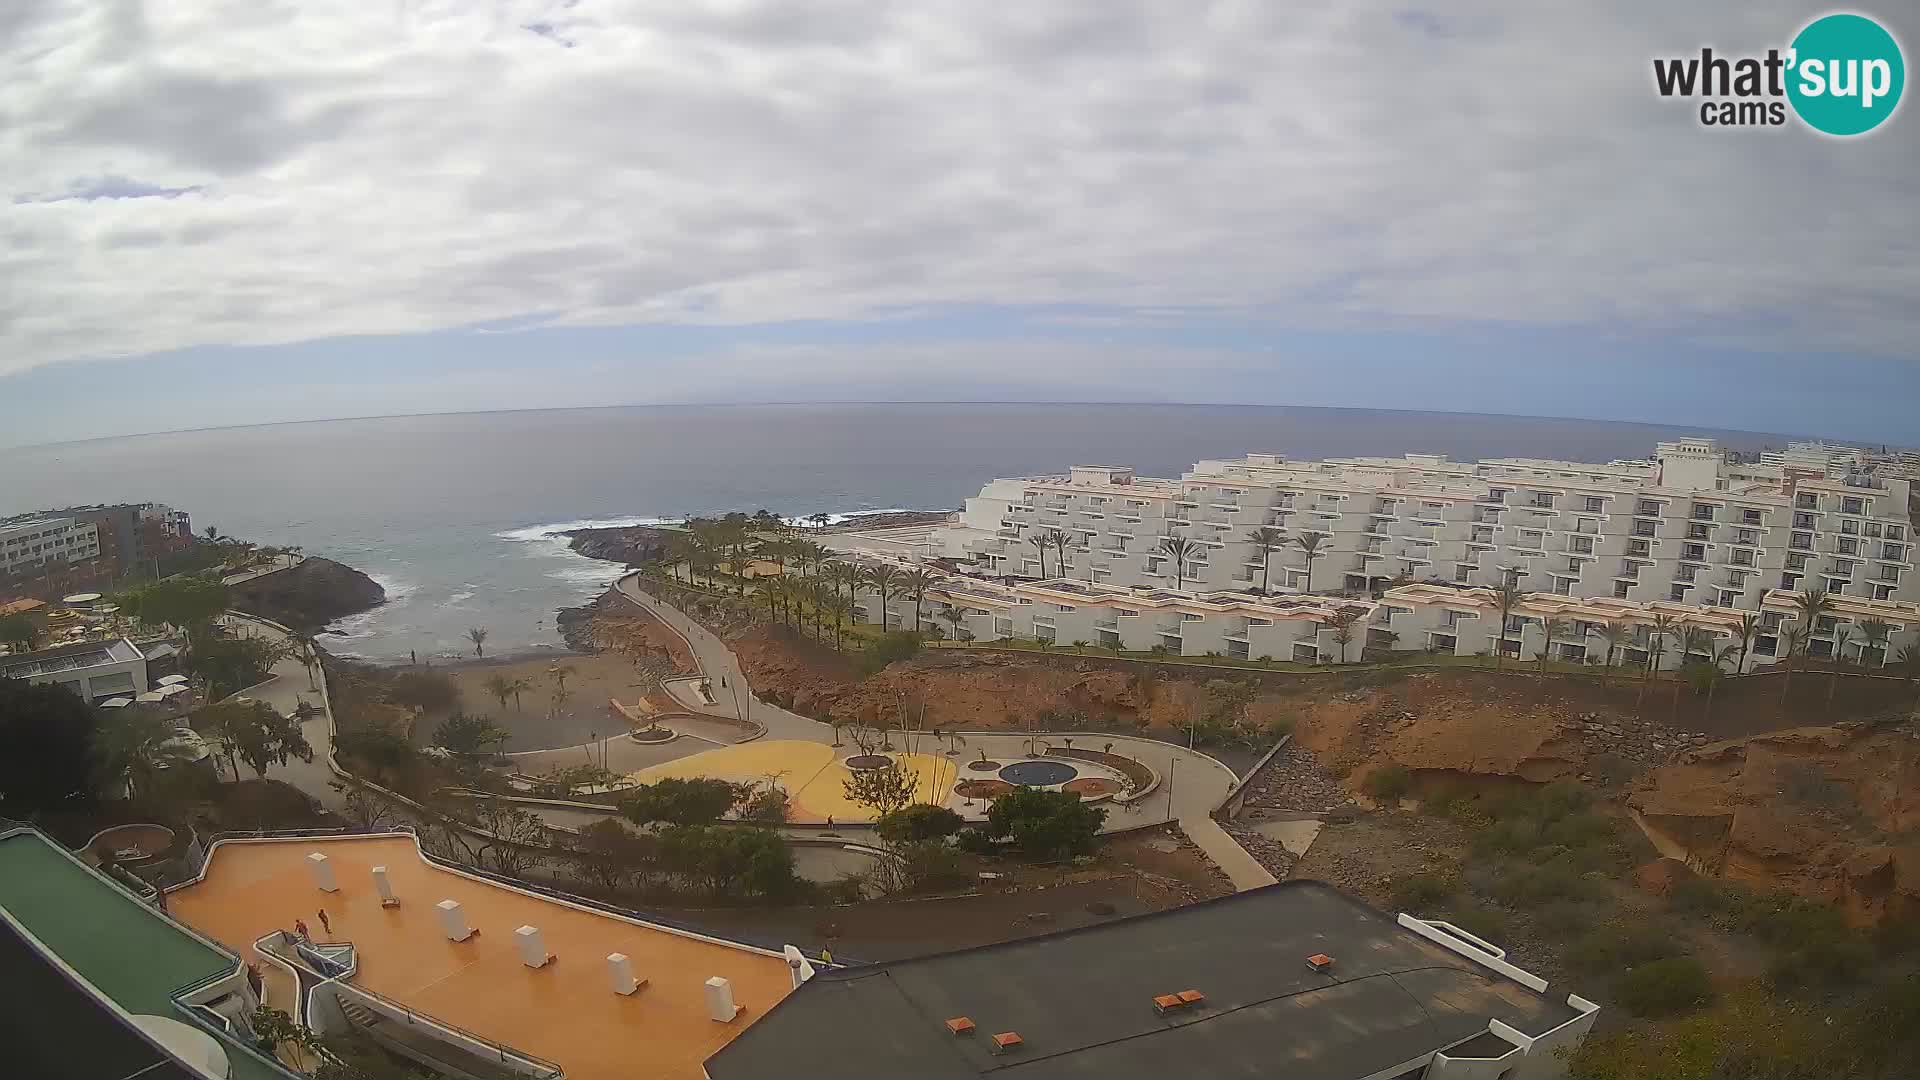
[{"x": 637, "y": 544}]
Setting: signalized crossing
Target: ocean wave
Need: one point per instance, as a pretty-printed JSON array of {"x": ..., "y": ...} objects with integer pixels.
[
  {"x": 557, "y": 530},
  {"x": 598, "y": 573},
  {"x": 802, "y": 521},
  {"x": 460, "y": 597}
]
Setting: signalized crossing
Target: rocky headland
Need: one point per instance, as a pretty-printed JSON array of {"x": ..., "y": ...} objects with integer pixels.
[{"x": 309, "y": 595}]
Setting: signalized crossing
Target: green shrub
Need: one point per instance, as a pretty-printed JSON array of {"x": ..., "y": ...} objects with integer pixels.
[
  {"x": 1529, "y": 885},
  {"x": 1832, "y": 964},
  {"x": 1485, "y": 923},
  {"x": 1564, "y": 919},
  {"x": 1666, "y": 987},
  {"x": 1420, "y": 892},
  {"x": 887, "y": 648},
  {"x": 1514, "y": 836},
  {"x": 1619, "y": 947},
  {"x": 1696, "y": 896},
  {"x": 1389, "y": 783}
]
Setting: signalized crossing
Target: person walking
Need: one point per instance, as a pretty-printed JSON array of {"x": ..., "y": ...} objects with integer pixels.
[
  {"x": 325, "y": 926},
  {"x": 300, "y": 927}
]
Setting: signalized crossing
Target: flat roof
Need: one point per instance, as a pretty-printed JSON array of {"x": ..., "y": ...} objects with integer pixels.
[
  {"x": 131, "y": 953},
  {"x": 51, "y": 1026},
  {"x": 563, "y": 1012},
  {"x": 80, "y": 654},
  {"x": 1082, "y": 1001}
]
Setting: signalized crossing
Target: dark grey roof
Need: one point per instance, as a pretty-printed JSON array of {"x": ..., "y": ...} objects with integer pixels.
[
  {"x": 50, "y": 1026},
  {"x": 1082, "y": 1001}
]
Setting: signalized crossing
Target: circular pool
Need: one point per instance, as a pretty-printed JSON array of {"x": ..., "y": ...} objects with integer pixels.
[
  {"x": 1038, "y": 773},
  {"x": 867, "y": 762}
]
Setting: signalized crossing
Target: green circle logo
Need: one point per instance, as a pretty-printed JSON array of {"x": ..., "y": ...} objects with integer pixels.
[{"x": 1845, "y": 74}]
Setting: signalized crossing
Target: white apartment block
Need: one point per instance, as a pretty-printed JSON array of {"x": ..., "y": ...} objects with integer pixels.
[
  {"x": 28, "y": 546},
  {"x": 1412, "y": 547},
  {"x": 1686, "y": 527}
]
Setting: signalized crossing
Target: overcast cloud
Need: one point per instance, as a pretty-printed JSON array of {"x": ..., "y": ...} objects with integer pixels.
[{"x": 197, "y": 172}]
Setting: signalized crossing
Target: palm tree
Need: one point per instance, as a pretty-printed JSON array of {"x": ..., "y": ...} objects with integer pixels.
[
  {"x": 1615, "y": 635},
  {"x": 1693, "y": 639},
  {"x": 883, "y": 578},
  {"x": 1508, "y": 596},
  {"x": 1874, "y": 634},
  {"x": 1040, "y": 542},
  {"x": 1842, "y": 635},
  {"x": 500, "y": 688},
  {"x": 769, "y": 591},
  {"x": 478, "y": 635},
  {"x": 1266, "y": 538},
  {"x": 1662, "y": 627},
  {"x": 956, "y": 617},
  {"x": 561, "y": 673},
  {"x": 1749, "y": 629},
  {"x": 1796, "y": 639},
  {"x": 842, "y": 610},
  {"x": 1719, "y": 658},
  {"x": 1309, "y": 542},
  {"x": 1554, "y": 628},
  {"x": 1908, "y": 659},
  {"x": 915, "y": 584},
  {"x": 518, "y": 687},
  {"x": 819, "y": 520},
  {"x": 1178, "y": 549},
  {"x": 1059, "y": 539},
  {"x": 841, "y": 574}
]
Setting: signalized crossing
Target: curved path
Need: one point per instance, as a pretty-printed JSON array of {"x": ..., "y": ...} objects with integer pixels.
[{"x": 1192, "y": 784}]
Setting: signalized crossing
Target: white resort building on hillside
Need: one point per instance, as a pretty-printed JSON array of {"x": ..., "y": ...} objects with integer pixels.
[{"x": 1414, "y": 548}]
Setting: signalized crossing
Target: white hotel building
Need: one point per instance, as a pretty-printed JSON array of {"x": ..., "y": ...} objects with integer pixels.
[{"x": 1414, "y": 545}]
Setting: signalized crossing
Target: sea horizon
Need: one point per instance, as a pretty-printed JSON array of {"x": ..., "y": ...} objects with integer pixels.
[{"x": 462, "y": 517}]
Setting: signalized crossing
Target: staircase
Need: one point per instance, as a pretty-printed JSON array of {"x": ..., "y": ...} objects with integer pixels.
[{"x": 359, "y": 1015}]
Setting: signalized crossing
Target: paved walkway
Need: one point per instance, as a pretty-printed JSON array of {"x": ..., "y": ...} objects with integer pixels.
[
  {"x": 291, "y": 685},
  {"x": 1192, "y": 785}
]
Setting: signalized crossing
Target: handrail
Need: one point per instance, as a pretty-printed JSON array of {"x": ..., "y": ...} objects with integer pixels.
[{"x": 415, "y": 1016}]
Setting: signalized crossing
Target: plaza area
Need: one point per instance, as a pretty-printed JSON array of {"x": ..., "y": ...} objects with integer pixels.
[{"x": 813, "y": 774}]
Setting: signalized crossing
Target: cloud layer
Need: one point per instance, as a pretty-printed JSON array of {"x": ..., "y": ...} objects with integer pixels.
[{"x": 204, "y": 172}]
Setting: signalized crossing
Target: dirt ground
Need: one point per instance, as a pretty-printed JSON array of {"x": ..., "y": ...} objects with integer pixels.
[{"x": 533, "y": 721}]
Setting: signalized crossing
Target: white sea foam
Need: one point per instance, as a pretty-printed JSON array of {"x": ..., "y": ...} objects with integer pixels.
[
  {"x": 597, "y": 572},
  {"x": 459, "y": 597},
  {"x": 557, "y": 530},
  {"x": 855, "y": 515}
]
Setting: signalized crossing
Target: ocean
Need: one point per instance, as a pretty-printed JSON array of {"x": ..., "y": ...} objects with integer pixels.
[{"x": 461, "y": 516}]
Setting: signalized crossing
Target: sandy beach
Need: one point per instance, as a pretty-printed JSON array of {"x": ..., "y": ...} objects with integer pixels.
[{"x": 534, "y": 722}]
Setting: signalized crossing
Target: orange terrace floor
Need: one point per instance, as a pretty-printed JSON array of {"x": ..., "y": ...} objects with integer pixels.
[{"x": 564, "y": 1012}]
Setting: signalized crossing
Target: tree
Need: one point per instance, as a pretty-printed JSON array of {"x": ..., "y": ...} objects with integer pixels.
[
  {"x": 916, "y": 823},
  {"x": 1749, "y": 629},
  {"x": 1873, "y": 641},
  {"x": 47, "y": 756},
  {"x": 132, "y": 744},
  {"x": 1059, "y": 539},
  {"x": 188, "y": 602},
  {"x": 728, "y": 860},
  {"x": 883, "y": 791},
  {"x": 1842, "y": 634},
  {"x": 1342, "y": 622},
  {"x": 470, "y": 737},
  {"x": 1663, "y": 627},
  {"x": 307, "y": 650},
  {"x": 478, "y": 635},
  {"x": 676, "y": 801},
  {"x": 956, "y": 618},
  {"x": 1908, "y": 659},
  {"x": 19, "y": 631},
  {"x": 276, "y": 1030},
  {"x": 819, "y": 520},
  {"x": 253, "y": 732},
  {"x": 1266, "y": 538},
  {"x": 1795, "y": 638},
  {"x": 519, "y": 686},
  {"x": 499, "y": 688},
  {"x": 611, "y": 856},
  {"x": 1039, "y": 542},
  {"x": 1309, "y": 542},
  {"x": 1045, "y": 824},
  {"x": 1552, "y": 628},
  {"x": 915, "y": 583},
  {"x": 1506, "y": 596},
  {"x": 1178, "y": 550},
  {"x": 882, "y": 578},
  {"x": 231, "y": 664},
  {"x": 1694, "y": 640},
  {"x": 1615, "y": 635}
]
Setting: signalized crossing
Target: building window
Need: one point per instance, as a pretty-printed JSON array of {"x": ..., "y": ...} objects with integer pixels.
[
  {"x": 1749, "y": 517},
  {"x": 1702, "y": 512},
  {"x": 1620, "y": 589},
  {"x": 1595, "y": 504},
  {"x": 1639, "y": 547},
  {"x": 1695, "y": 552},
  {"x": 1678, "y": 592},
  {"x": 1789, "y": 581},
  {"x": 1853, "y": 505},
  {"x": 1848, "y": 546},
  {"x": 1647, "y": 507},
  {"x": 1807, "y": 501},
  {"x": 1802, "y": 541},
  {"x": 1698, "y": 532},
  {"x": 1850, "y": 528}
]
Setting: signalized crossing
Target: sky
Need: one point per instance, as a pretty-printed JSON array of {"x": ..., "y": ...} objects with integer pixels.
[{"x": 221, "y": 213}]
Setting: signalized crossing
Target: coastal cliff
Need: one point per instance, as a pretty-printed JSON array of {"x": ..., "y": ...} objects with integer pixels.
[{"x": 308, "y": 596}]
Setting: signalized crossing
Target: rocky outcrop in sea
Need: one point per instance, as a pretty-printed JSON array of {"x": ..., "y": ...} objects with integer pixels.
[
  {"x": 632, "y": 545},
  {"x": 308, "y": 596}
]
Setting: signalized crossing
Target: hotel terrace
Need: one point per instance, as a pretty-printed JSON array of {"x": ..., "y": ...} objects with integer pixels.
[
  {"x": 1413, "y": 548},
  {"x": 495, "y": 982}
]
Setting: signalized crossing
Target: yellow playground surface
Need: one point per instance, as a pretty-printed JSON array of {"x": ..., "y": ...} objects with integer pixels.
[{"x": 810, "y": 772}]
